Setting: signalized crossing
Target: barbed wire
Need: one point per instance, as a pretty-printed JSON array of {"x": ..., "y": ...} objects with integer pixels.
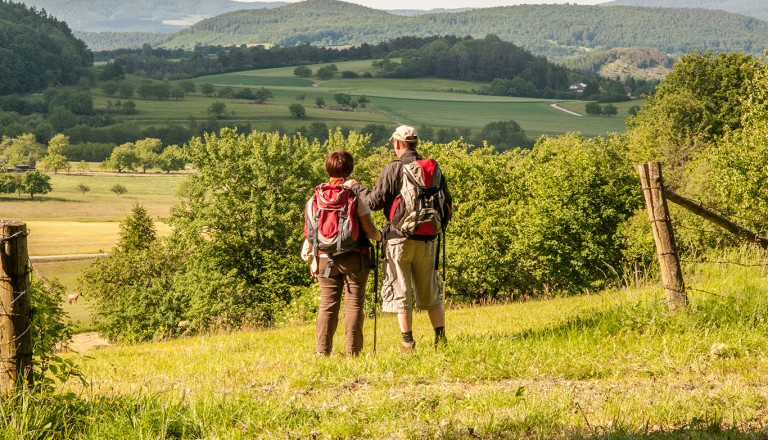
[
  {"x": 11, "y": 237},
  {"x": 763, "y": 264}
]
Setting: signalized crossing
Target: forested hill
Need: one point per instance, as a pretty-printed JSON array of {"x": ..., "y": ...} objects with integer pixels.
[
  {"x": 157, "y": 16},
  {"x": 753, "y": 8},
  {"x": 37, "y": 51},
  {"x": 552, "y": 30}
]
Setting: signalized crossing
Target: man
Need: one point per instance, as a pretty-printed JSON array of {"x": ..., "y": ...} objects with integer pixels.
[{"x": 410, "y": 271}]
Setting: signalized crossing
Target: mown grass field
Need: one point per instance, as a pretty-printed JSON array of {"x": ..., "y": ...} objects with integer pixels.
[
  {"x": 433, "y": 102},
  {"x": 610, "y": 365},
  {"x": 67, "y": 221}
]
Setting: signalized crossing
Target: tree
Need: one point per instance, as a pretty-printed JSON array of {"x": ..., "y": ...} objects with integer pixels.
[
  {"x": 325, "y": 73},
  {"x": 610, "y": 110},
  {"x": 8, "y": 183},
  {"x": 263, "y": 94},
  {"x": 363, "y": 101},
  {"x": 110, "y": 88},
  {"x": 83, "y": 167},
  {"x": 35, "y": 182},
  {"x": 123, "y": 157},
  {"x": 171, "y": 159},
  {"x": 301, "y": 97},
  {"x": 125, "y": 90},
  {"x": 319, "y": 102},
  {"x": 178, "y": 93},
  {"x": 23, "y": 149},
  {"x": 217, "y": 109},
  {"x": 245, "y": 93},
  {"x": 207, "y": 89},
  {"x": 146, "y": 152},
  {"x": 145, "y": 89},
  {"x": 55, "y": 160},
  {"x": 504, "y": 135},
  {"x": 343, "y": 99},
  {"x": 188, "y": 86},
  {"x": 83, "y": 188},
  {"x": 129, "y": 107},
  {"x": 302, "y": 71},
  {"x": 119, "y": 189},
  {"x": 137, "y": 231},
  {"x": 593, "y": 108},
  {"x": 297, "y": 110},
  {"x": 130, "y": 289}
]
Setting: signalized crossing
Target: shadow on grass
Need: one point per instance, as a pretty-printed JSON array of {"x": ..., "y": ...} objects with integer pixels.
[{"x": 26, "y": 198}]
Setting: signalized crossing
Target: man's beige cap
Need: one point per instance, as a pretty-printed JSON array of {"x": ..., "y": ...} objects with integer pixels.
[{"x": 405, "y": 133}]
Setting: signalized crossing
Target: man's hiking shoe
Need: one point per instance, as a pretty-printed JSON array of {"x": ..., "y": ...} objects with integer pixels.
[
  {"x": 441, "y": 341},
  {"x": 408, "y": 347}
]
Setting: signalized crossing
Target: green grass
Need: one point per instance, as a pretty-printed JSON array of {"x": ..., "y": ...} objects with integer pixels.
[
  {"x": 610, "y": 365},
  {"x": 67, "y": 272},
  {"x": 434, "y": 102}
]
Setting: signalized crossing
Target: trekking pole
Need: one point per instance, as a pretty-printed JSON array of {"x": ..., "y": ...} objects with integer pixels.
[
  {"x": 443, "y": 284},
  {"x": 375, "y": 265}
]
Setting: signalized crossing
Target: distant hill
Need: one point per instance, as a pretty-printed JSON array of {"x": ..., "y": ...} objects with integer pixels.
[
  {"x": 153, "y": 16},
  {"x": 37, "y": 51},
  {"x": 752, "y": 8},
  {"x": 556, "y": 31}
]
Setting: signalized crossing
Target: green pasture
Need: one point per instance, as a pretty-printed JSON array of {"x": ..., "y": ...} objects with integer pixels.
[
  {"x": 434, "y": 102},
  {"x": 66, "y": 221},
  {"x": 616, "y": 364},
  {"x": 67, "y": 272}
]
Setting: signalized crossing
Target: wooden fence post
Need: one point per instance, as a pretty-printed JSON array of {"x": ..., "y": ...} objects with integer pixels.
[
  {"x": 661, "y": 223},
  {"x": 15, "y": 318}
]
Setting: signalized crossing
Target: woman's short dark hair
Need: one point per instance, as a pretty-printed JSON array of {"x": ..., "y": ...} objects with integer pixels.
[{"x": 339, "y": 164}]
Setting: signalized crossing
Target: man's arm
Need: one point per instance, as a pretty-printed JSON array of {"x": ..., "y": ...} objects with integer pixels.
[{"x": 385, "y": 190}]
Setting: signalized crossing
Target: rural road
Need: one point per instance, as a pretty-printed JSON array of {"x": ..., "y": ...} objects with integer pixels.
[{"x": 557, "y": 107}]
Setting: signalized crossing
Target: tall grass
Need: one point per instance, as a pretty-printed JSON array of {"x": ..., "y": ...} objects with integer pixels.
[{"x": 610, "y": 365}]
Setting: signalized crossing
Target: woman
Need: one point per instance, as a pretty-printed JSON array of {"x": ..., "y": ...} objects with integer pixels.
[{"x": 349, "y": 269}]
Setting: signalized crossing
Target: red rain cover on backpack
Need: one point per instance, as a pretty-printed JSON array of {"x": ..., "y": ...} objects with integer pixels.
[{"x": 330, "y": 219}]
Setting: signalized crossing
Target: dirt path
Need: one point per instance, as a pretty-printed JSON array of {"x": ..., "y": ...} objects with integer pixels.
[
  {"x": 557, "y": 107},
  {"x": 87, "y": 341}
]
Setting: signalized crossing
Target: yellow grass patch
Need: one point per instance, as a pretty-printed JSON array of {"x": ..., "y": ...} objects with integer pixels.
[{"x": 70, "y": 237}]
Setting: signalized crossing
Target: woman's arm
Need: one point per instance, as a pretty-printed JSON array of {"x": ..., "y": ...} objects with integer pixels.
[{"x": 370, "y": 229}]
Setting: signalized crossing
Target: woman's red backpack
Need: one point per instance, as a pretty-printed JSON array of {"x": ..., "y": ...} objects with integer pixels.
[{"x": 330, "y": 219}]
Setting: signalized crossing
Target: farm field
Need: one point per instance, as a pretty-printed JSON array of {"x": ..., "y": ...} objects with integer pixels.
[
  {"x": 610, "y": 365},
  {"x": 67, "y": 221},
  {"x": 434, "y": 102}
]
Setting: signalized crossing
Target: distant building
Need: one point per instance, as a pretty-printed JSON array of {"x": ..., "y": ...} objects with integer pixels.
[
  {"x": 20, "y": 168},
  {"x": 577, "y": 87}
]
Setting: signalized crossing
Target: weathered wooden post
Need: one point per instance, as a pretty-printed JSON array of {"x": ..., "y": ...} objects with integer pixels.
[
  {"x": 661, "y": 223},
  {"x": 15, "y": 318}
]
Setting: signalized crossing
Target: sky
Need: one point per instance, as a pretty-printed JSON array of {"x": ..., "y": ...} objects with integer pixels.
[{"x": 453, "y": 4}]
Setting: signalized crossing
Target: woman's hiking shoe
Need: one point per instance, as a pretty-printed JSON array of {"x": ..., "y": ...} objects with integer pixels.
[{"x": 408, "y": 347}]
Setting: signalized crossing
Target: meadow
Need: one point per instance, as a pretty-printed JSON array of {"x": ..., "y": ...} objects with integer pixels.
[
  {"x": 434, "y": 102},
  {"x": 610, "y": 365},
  {"x": 67, "y": 227}
]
